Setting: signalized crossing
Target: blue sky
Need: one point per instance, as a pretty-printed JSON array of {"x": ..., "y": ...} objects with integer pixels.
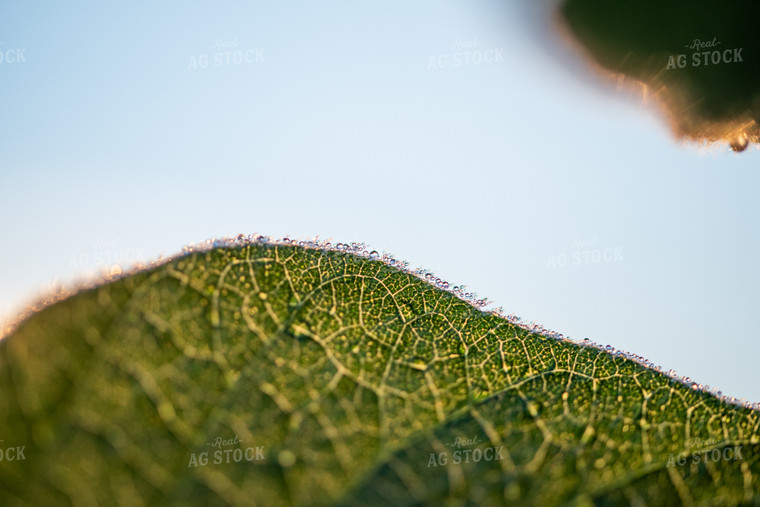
[{"x": 354, "y": 122}]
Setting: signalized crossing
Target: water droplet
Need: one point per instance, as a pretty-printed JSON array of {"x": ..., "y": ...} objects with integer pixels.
[
  {"x": 374, "y": 254},
  {"x": 739, "y": 143}
]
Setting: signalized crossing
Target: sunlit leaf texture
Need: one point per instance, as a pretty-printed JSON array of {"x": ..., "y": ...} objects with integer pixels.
[{"x": 279, "y": 375}]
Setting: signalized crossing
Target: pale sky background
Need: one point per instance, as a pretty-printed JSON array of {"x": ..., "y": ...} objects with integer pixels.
[{"x": 113, "y": 147}]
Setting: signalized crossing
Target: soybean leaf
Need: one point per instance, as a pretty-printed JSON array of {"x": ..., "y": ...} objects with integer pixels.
[
  {"x": 280, "y": 375},
  {"x": 699, "y": 58}
]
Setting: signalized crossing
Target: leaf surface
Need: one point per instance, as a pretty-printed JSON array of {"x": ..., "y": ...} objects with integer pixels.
[{"x": 309, "y": 376}]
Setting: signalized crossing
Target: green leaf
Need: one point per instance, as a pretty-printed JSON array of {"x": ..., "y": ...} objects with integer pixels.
[
  {"x": 330, "y": 378},
  {"x": 699, "y": 58}
]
